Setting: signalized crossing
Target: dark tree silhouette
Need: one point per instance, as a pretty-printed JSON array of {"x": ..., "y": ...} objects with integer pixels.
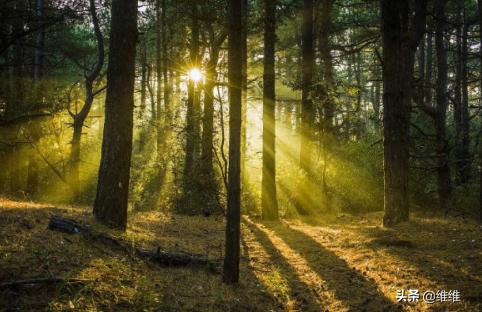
[
  {"x": 111, "y": 200},
  {"x": 235, "y": 44},
  {"x": 268, "y": 190},
  {"x": 399, "y": 45},
  {"x": 307, "y": 55}
]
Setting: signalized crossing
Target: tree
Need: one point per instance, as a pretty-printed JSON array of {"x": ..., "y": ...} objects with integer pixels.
[
  {"x": 268, "y": 191},
  {"x": 159, "y": 31},
  {"x": 111, "y": 200},
  {"x": 399, "y": 45},
  {"x": 440, "y": 113},
  {"x": 233, "y": 217},
  {"x": 307, "y": 55},
  {"x": 208, "y": 179},
  {"x": 165, "y": 62},
  {"x": 479, "y": 3},
  {"x": 80, "y": 116}
]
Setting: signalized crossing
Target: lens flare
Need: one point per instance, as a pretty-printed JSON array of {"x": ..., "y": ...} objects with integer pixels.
[{"x": 195, "y": 75}]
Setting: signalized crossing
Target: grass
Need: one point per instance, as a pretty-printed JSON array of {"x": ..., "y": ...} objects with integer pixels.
[{"x": 345, "y": 263}]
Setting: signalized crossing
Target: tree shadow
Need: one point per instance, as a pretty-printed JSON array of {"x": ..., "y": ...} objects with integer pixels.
[
  {"x": 355, "y": 290},
  {"x": 305, "y": 297},
  {"x": 445, "y": 253}
]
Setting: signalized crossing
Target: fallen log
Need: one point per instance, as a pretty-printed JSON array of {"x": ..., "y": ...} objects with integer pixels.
[
  {"x": 46, "y": 280},
  {"x": 70, "y": 226},
  {"x": 66, "y": 225},
  {"x": 176, "y": 259}
]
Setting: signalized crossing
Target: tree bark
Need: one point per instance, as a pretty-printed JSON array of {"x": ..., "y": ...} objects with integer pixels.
[
  {"x": 39, "y": 42},
  {"x": 192, "y": 121},
  {"x": 443, "y": 167},
  {"x": 111, "y": 200},
  {"x": 400, "y": 41},
  {"x": 158, "y": 67},
  {"x": 207, "y": 170},
  {"x": 327, "y": 66},
  {"x": 244, "y": 89},
  {"x": 233, "y": 218},
  {"x": 269, "y": 201},
  {"x": 479, "y": 5},
  {"x": 165, "y": 64},
  {"x": 464, "y": 157},
  {"x": 143, "y": 76},
  {"x": 79, "y": 117},
  {"x": 307, "y": 111}
]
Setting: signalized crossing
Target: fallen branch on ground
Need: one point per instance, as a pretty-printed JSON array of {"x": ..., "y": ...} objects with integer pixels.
[
  {"x": 58, "y": 223},
  {"x": 46, "y": 280}
]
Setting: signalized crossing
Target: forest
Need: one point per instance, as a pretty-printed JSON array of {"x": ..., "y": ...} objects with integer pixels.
[{"x": 240, "y": 155}]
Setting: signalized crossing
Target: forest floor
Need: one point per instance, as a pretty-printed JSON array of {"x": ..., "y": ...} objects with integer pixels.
[{"x": 343, "y": 263}]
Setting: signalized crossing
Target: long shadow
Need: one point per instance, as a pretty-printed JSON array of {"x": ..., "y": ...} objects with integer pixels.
[
  {"x": 356, "y": 291},
  {"x": 305, "y": 297},
  {"x": 452, "y": 263}
]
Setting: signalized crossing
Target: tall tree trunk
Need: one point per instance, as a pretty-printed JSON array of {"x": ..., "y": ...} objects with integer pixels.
[
  {"x": 192, "y": 121},
  {"x": 152, "y": 94},
  {"x": 35, "y": 129},
  {"x": 143, "y": 76},
  {"x": 327, "y": 66},
  {"x": 269, "y": 199},
  {"x": 307, "y": 111},
  {"x": 244, "y": 89},
  {"x": 165, "y": 63},
  {"x": 233, "y": 217},
  {"x": 111, "y": 200},
  {"x": 207, "y": 171},
  {"x": 79, "y": 117},
  {"x": 39, "y": 43},
  {"x": 159, "y": 75},
  {"x": 358, "y": 107},
  {"x": 464, "y": 157},
  {"x": 158, "y": 64},
  {"x": 400, "y": 41},
  {"x": 479, "y": 5},
  {"x": 429, "y": 66},
  {"x": 377, "y": 100},
  {"x": 457, "y": 102},
  {"x": 443, "y": 167},
  {"x": 16, "y": 103}
]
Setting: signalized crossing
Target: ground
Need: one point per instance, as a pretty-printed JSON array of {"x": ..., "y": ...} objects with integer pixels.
[{"x": 341, "y": 263}]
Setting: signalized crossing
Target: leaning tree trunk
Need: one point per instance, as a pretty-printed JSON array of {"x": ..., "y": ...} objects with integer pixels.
[
  {"x": 269, "y": 201},
  {"x": 79, "y": 117},
  {"x": 233, "y": 217},
  {"x": 111, "y": 200}
]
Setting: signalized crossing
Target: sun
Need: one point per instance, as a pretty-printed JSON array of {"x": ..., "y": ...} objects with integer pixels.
[{"x": 195, "y": 75}]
